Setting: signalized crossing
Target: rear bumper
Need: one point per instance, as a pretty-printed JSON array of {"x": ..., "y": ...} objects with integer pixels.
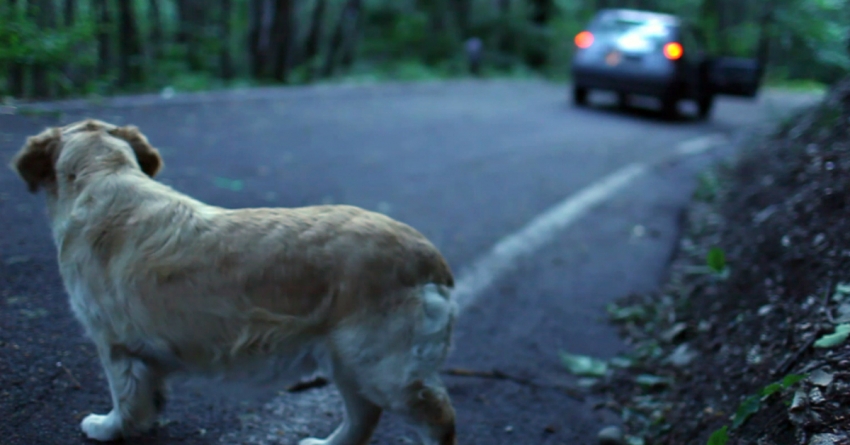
[{"x": 624, "y": 81}]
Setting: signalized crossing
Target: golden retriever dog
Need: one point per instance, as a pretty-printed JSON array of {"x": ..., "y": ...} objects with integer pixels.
[{"x": 166, "y": 285}]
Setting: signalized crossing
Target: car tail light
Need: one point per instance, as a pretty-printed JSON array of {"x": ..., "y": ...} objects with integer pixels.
[
  {"x": 673, "y": 51},
  {"x": 584, "y": 39}
]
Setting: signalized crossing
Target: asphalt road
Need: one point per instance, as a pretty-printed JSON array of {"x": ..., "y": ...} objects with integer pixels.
[{"x": 466, "y": 163}]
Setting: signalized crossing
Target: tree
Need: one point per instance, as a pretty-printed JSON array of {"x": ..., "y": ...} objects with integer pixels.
[
  {"x": 314, "y": 36},
  {"x": 130, "y": 46},
  {"x": 155, "y": 19},
  {"x": 506, "y": 45},
  {"x": 541, "y": 13},
  {"x": 226, "y": 60},
  {"x": 16, "y": 68},
  {"x": 349, "y": 49},
  {"x": 192, "y": 30},
  {"x": 347, "y": 22},
  {"x": 45, "y": 17},
  {"x": 104, "y": 21},
  {"x": 283, "y": 34},
  {"x": 69, "y": 12},
  {"x": 258, "y": 35},
  {"x": 461, "y": 9}
]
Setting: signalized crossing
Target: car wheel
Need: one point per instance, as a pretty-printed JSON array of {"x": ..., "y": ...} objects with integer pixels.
[
  {"x": 704, "y": 105},
  {"x": 670, "y": 106},
  {"x": 623, "y": 101},
  {"x": 579, "y": 95}
]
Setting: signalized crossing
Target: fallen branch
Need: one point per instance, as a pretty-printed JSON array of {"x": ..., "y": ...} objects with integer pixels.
[
  {"x": 500, "y": 375},
  {"x": 70, "y": 376},
  {"x": 793, "y": 358},
  {"x": 786, "y": 364},
  {"x": 495, "y": 374}
]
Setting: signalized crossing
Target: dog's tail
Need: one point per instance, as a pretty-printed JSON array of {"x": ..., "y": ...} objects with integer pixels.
[{"x": 438, "y": 309}]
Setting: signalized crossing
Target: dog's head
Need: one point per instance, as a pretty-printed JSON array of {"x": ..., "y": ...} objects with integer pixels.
[{"x": 61, "y": 153}]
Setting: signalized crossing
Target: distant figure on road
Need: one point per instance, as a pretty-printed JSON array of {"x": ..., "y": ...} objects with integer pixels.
[{"x": 473, "y": 53}]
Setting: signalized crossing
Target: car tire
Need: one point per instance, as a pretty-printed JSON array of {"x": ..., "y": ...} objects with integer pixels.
[
  {"x": 670, "y": 106},
  {"x": 579, "y": 95},
  {"x": 705, "y": 105},
  {"x": 624, "y": 101}
]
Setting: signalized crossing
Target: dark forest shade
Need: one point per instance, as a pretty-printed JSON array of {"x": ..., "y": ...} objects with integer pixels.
[{"x": 109, "y": 46}]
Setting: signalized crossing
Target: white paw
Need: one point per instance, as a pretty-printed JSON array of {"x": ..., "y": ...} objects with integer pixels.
[
  {"x": 102, "y": 428},
  {"x": 312, "y": 441}
]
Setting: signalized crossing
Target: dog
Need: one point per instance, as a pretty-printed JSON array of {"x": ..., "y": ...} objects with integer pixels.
[{"x": 164, "y": 285}]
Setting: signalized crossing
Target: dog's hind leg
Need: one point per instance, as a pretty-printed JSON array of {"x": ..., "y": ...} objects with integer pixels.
[
  {"x": 138, "y": 395},
  {"x": 427, "y": 406},
  {"x": 361, "y": 415},
  {"x": 395, "y": 360}
]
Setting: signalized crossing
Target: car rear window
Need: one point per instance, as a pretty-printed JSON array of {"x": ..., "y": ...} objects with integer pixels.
[{"x": 634, "y": 34}]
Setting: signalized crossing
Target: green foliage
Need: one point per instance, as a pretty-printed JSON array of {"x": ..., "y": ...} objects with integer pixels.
[
  {"x": 813, "y": 35},
  {"x": 747, "y": 408},
  {"x": 719, "y": 437},
  {"x": 24, "y": 42},
  {"x": 582, "y": 365},
  {"x": 708, "y": 187},
  {"x": 407, "y": 40},
  {"x": 716, "y": 260},
  {"x": 789, "y": 381},
  {"x": 752, "y": 404},
  {"x": 837, "y": 338}
]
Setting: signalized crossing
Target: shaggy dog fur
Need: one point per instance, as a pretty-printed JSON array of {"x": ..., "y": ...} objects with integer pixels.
[{"x": 165, "y": 284}]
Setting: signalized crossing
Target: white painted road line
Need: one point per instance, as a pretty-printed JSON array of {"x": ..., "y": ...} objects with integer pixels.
[
  {"x": 541, "y": 230},
  {"x": 503, "y": 257},
  {"x": 701, "y": 144}
]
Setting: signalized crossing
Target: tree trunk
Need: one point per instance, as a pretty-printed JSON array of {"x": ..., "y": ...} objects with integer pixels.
[
  {"x": 16, "y": 69},
  {"x": 259, "y": 36},
  {"x": 226, "y": 61},
  {"x": 353, "y": 36},
  {"x": 541, "y": 14},
  {"x": 255, "y": 29},
  {"x": 347, "y": 18},
  {"x": 130, "y": 47},
  {"x": 283, "y": 33},
  {"x": 462, "y": 17},
  {"x": 104, "y": 24},
  {"x": 155, "y": 19},
  {"x": 192, "y": 31},
  {"x": 69, "y": 12},
  {"x": 182, "y": 35},
  {"x": 73, "y": 73},
  {"x": 542, "y": 11},
  {"x": 45, "y": 17},
  {"x": 314, "y": 37},
  {"x": 763, "y": 48},
  {"x": 506, "y": 39},
  {"x": 708, "y": 23}
]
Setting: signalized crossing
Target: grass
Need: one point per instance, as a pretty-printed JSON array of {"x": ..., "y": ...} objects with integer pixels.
[{"x": 797, "y": 86}]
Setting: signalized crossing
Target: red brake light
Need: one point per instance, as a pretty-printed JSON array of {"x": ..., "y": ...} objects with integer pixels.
[
  {"x": 673, "y": 51},
  {"x": 584, "y": 39}
]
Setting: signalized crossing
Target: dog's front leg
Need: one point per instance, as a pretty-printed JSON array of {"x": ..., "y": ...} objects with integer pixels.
[{"x": 137, "y": 391}]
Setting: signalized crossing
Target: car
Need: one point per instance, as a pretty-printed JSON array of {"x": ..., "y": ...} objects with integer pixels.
[{"x": 643, "y": 53}]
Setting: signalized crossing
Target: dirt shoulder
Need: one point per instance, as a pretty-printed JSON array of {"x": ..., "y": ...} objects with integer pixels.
[{"x": 756, "y": 344}]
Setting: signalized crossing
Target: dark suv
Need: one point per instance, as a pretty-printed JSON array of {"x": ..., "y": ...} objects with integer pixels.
[{"x": 645, "y": 53}]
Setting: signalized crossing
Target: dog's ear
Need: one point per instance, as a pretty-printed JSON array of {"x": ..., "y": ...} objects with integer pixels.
[
  {"x": 147, "y": 156},
  {"x": 35, "y": 162}
]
